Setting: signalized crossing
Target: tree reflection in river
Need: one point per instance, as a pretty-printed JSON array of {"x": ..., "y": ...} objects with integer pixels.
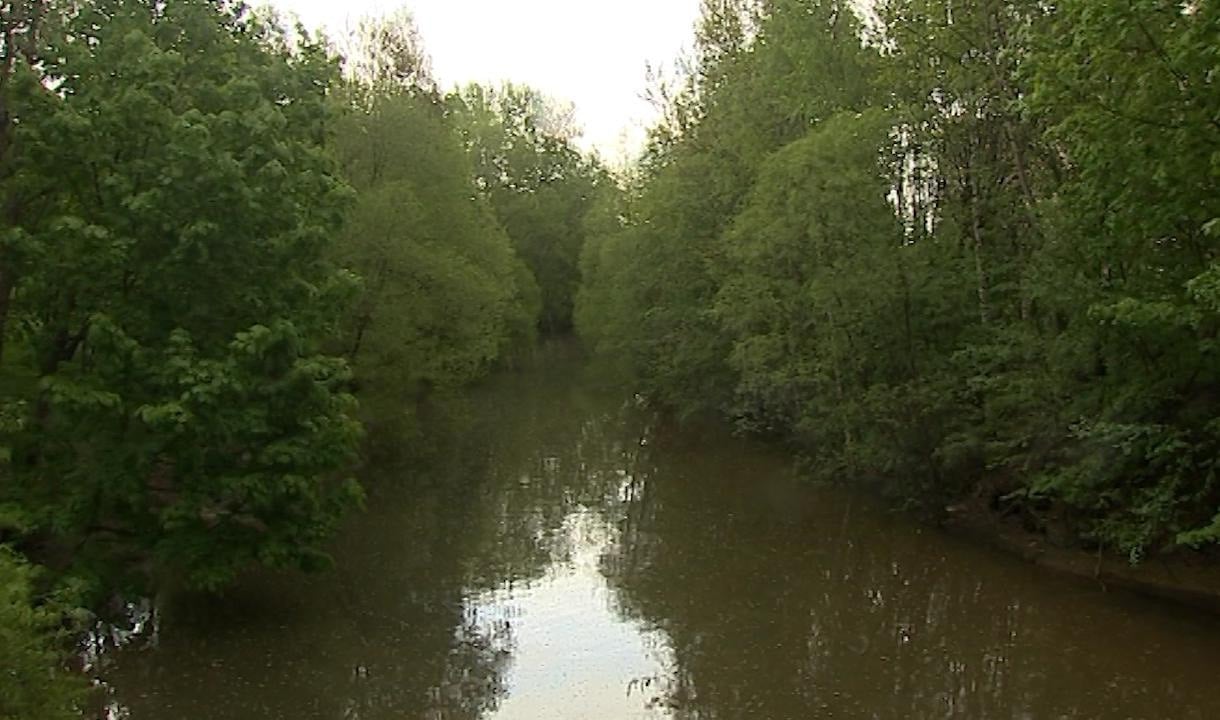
[
  {"x": 785, "y": 602},
  {"x": 416, "y": 621},
  {"x": 567, "y": 555},
  {"x": 387, "y": 634},
  {"x": 552, "y": 448}
]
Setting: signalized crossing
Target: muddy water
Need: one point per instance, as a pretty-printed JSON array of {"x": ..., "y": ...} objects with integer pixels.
[{"x": 568, "y": 556}]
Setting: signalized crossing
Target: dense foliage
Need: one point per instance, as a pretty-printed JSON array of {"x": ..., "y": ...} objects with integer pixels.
[
  {"x": 32, "y": 683},
  {"x": 968, "y": 250},
  {"x": 442, "y": 292},
  {"x": 212, "y": 240},
  {"x": 536, "y": 180},
  {"x": 173, "y": 197}
]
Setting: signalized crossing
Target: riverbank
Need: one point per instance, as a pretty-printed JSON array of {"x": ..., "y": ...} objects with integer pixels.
[{"x": 1184, "y": 577}]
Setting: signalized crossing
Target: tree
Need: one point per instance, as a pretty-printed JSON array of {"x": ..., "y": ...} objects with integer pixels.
[
  {"x": 22, "y": 32},
  {"x": 768, "y": 72},
  {"x": 537, "y": 181},
  {"x": 34, "y": 684},
  {"x": 1131, "y": 105},
  {"x": 818, "y": 274},
  {"x": 443, "y": 295},
  {"x": 175, "y": 293},
  {"x": 387, "y": 55}
]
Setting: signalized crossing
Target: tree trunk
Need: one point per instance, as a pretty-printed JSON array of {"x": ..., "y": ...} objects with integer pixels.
[
  {"x": 7, "y": 281},
  {"x": 980, "y": 264}
]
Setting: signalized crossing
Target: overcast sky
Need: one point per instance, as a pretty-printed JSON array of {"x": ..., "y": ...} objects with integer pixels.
[{"x": 590, "y": 52}]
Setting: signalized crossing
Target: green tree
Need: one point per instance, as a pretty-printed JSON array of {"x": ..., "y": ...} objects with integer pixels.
[
  {"x": 33, "y": 683},
  {"x": 174, "y": 292},
  {"x": 538, "y": 182},
  {"x": 1132, "y": 105},
  {"x": 767, "y": 72},
  {"x": 817, "y": 290},
  {"x": 443, "y": 294},
  {"x": 23, "y": 29}
]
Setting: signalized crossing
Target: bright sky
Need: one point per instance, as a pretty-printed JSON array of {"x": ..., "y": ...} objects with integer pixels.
[{"x": 589, "y": 52}]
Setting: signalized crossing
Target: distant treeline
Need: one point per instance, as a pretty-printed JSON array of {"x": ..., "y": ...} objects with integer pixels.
[
  {"x": 966, "y": 250},
  {"x": 227, "y": 256}
]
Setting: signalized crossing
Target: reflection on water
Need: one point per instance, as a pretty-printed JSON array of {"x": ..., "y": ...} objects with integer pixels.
[
  {"x": 573, "y": 558},
  {"x": 574, "y": 655}
]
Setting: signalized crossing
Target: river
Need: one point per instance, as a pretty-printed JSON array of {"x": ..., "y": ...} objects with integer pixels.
[{"x": 566, "y": 555}]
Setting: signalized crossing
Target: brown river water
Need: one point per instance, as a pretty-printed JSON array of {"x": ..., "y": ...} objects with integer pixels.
[{"x": 567, "y": 556}]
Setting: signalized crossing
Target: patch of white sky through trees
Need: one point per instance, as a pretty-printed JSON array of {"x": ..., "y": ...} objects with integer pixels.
[{"x": 592, "y": 53}]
